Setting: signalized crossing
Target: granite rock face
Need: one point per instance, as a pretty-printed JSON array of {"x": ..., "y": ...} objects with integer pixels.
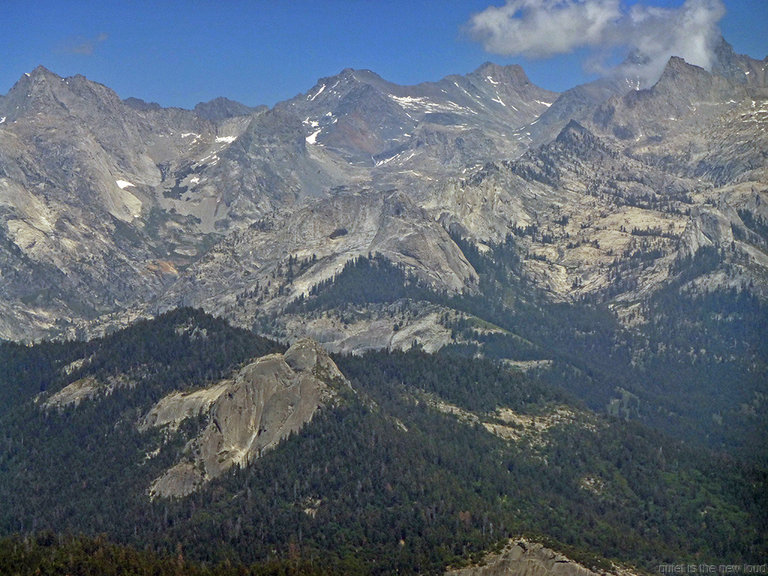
[
  {"x": 267, "y": 400},
  {"x": 523, "y": 558}
]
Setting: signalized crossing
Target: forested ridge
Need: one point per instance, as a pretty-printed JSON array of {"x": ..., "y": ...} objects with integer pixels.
[
  {"x": 697, "y": 364},
  {"x": 385, "y": 481}
]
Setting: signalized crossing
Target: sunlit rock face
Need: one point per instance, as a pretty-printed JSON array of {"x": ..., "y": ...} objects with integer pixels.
[{"x": 267, "y": 400}]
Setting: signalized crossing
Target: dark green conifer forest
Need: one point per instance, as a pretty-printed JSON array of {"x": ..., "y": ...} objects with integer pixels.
[
  {"x": 381, "y": 483},
  {"x": 658, "y": 455}
]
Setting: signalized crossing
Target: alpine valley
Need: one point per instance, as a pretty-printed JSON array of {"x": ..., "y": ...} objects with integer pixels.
[{"x": 469, "y": 325}]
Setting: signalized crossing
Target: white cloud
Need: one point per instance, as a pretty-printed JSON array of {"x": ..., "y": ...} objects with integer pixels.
[
  {"x": 691, "y": 32},
  {"x": 545, "y": 28},
  {"x": 82, "y": 45}
]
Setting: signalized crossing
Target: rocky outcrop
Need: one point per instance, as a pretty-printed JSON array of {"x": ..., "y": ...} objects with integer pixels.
[
  {"x": 707, "y": 227},
  {"x": 266, "y": 267},
  {"x": 373, "y": 327},
  {"x": 248, "y": 415},
  {"x": 86, "y": 388},
  {"x": 523, "y": 558}
]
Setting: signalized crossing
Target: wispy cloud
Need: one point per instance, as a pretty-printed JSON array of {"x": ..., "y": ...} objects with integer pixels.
[
  {"x": 545, "y": 28},
  {"x": 84, "y": 45}
]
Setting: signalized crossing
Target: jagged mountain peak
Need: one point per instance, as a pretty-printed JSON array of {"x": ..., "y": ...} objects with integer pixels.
[
  {"x": 338, "y": 85},
  {"x": 45, "y": 91},
  {"x": 223, "y": 108},
  {"x": 42, "y": 76},
  {"x": 683, "y": 83},
  {"x": 679, "y": 77},
  {"x": 724, "y": 50},
  {"x": 573, "y": 131},
  {"x": 728, "y": 68},
  {"x": 222, "y": 167},
  {"x": 41, "y": 71},
  {"x": 141, "y": 105},
  {"x": 39, "y": 74},
  {"x": 677, "y": 66},
  {"x": 360, "y": 75},
  {"x": 34, "y": 86},
  {"x": 512, "y": 73},
  {"x": 576, "y": 142},
  {"x": 683, "y": 92},
  {"x": 371, "y": 120},
  {"x": 739, "y": 68},
  {"x": 577, "y": 103}
]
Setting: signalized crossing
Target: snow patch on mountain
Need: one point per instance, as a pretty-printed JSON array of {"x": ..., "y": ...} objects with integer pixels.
[
  {"x": 423, "y": 104},
  {"x": 312, "y": 138},
  {"x": 312, "y": 98}
]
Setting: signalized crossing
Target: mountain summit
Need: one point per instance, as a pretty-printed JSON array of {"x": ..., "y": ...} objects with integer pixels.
[{"x": 133, "y": 208}]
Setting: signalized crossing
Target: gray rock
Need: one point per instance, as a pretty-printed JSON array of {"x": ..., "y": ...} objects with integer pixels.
[
  {"x": 264, "y": 402},
  {"x": 523, "y": 558}
]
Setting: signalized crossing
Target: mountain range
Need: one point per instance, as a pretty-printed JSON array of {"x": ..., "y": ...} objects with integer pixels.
[
  {"x": 589, "y": 265},
  {"x": 115, "y": 209}
]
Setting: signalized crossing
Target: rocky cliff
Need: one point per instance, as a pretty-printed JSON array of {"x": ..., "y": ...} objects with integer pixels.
[
  {"x": 523, "y": 558},
  {"x": 267, "y": 400}
]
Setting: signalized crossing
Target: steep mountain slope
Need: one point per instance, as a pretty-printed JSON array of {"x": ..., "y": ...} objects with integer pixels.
[
  {"x": 156, "y": 188},
  {"x": 588, "y": 272},
  {"x": 367, "y": 215},
  {"x": 278, "y": 260},
  {"x": 369, "y": 120},
  {"x": 265, "y": 402},
  {"x": 606, "y": 211},
  {"x": 84, "y": 183},
  {"x": 117, "y": 198},
  {"x": 672, "y": 165},
  {"x": 653, "y": 199}
]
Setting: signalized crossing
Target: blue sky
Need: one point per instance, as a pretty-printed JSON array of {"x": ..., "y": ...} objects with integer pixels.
[{"x": 260, "y": 52}]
